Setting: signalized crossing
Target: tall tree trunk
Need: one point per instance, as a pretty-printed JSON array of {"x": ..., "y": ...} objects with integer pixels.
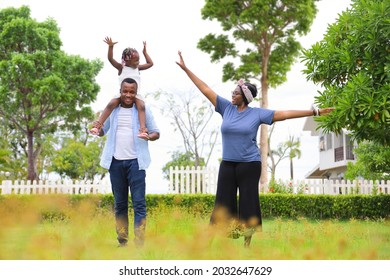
[
  {"x": 264, "y": 128},
  {"x": 271, "y": 156},
  {"x": 31, "y": 169},
  {"x": 264, "y": 157},
  {"x": 273, "y": 167},
  {"x": 291, "y": 170}
]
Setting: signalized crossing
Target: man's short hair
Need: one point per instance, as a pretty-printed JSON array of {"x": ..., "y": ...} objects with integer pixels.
[{"x": 129, "y": 81}]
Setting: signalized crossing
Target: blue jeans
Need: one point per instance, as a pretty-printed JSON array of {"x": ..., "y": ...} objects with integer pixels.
[{"x": 125, "y": 174}]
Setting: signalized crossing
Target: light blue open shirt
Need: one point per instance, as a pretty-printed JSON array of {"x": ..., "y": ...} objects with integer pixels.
[{"x": 141, "y": 146}]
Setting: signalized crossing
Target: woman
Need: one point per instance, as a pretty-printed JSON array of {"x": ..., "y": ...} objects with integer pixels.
[{"x": 240, "y": 168}]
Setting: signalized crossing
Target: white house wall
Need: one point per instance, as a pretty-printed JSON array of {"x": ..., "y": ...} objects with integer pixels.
[{"x": 328, "y": 167}]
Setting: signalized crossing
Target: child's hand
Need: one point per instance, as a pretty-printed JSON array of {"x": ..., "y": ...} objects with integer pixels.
[
  {"x": 144, "y": 49},
  {"x": 144, "y": 136},
  {"x": 94, "y": 131},
  {"x": 109, "y": 41},
  {"x": 143, "y": 130}
]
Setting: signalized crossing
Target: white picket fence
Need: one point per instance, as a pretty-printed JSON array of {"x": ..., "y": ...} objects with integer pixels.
[
  {"x": 191, "y": 180},
  {"x": 55, "y": 187},
  {"x": 204, "y": 180},
  {"x": 335, "y": 187}
]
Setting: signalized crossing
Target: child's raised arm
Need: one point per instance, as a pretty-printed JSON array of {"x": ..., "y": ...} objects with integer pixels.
[
  {"x": 110, "y": 54},
  {"x": 149, "y": 62}
]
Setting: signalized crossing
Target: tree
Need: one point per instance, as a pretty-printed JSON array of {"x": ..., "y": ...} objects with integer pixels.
[
  {"x": 190, "y": 115},
  {"x": 352, "y": 65},
  {"x": 180, "y": 159},
  {"x": 372, "y": 163},
  {"x": 77, "y": 160},
  {"x": 265, "y": 31},
  {"x": 4, "y": 158},
  {"x": 5, "y": 153},
  {"x": 293, "y": 151},
  {"x": 44, "y": 160},
  {"x": 13, "y": 147},
  {"x": 42, "y": 89},
  {"x": 280, "y": 153},
  {"x": 288, "y": 149}
]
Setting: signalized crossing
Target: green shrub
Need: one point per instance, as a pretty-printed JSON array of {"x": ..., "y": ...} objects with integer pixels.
[{"x": 273, "y": 205}]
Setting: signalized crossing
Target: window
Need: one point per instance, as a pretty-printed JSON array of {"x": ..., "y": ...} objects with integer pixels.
[
  {"x": 349, "y": 148},
  {"x": 322, "y": 144},
  {"x": 328, "y": 141},
  {"x": 339, "y": 141}
]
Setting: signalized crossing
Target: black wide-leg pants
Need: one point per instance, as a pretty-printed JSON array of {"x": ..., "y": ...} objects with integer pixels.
[{"x": 242, "y": 177}]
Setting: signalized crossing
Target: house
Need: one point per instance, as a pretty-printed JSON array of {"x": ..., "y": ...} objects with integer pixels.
[{"x": 335, "y": 151}]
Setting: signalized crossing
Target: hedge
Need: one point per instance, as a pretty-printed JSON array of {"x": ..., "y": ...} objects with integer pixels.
[{"x": 291, "y": 206}]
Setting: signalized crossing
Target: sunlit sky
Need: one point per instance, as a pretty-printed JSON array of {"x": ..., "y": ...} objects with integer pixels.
[{"x": 169, "y": 26}]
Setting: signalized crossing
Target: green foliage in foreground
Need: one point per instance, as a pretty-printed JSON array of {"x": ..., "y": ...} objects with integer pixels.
[
  {"x": 73, "y": 228},
  {"x": 277, "y": 205},
  {"x": 290, "y": 206}
]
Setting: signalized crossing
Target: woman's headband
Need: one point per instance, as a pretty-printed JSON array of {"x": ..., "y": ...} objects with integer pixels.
[{"x": 247, "y": 92}]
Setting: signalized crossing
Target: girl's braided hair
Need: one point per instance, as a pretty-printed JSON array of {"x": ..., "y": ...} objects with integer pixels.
[{"x": 128, "y": 52}]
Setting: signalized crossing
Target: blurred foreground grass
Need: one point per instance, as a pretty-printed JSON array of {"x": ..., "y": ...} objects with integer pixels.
[{"x": 48, "y": 228}]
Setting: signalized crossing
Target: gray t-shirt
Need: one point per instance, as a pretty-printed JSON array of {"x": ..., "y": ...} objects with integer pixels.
[{"x": 239, "y": 130}]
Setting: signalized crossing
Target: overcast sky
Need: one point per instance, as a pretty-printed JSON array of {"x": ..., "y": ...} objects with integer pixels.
[{"x": 169, "y": 26}]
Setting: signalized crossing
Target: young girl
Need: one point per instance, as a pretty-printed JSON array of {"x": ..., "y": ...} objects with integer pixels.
[{"x": 129, "y": 68}]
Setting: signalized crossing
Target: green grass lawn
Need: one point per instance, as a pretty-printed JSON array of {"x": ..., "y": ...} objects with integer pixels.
[{"x": 87, "y": 233}]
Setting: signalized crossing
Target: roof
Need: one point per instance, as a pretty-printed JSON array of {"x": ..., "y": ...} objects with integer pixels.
[
  {"x": 311, "y": 125},
  {"x": 316, "y": 173}
]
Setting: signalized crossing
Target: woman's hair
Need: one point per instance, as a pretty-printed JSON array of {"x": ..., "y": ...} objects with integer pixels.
[{"x": 253, "y": 90}]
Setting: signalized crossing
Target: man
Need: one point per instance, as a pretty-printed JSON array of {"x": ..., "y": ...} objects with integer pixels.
[{"x": 126, "y": 157}]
